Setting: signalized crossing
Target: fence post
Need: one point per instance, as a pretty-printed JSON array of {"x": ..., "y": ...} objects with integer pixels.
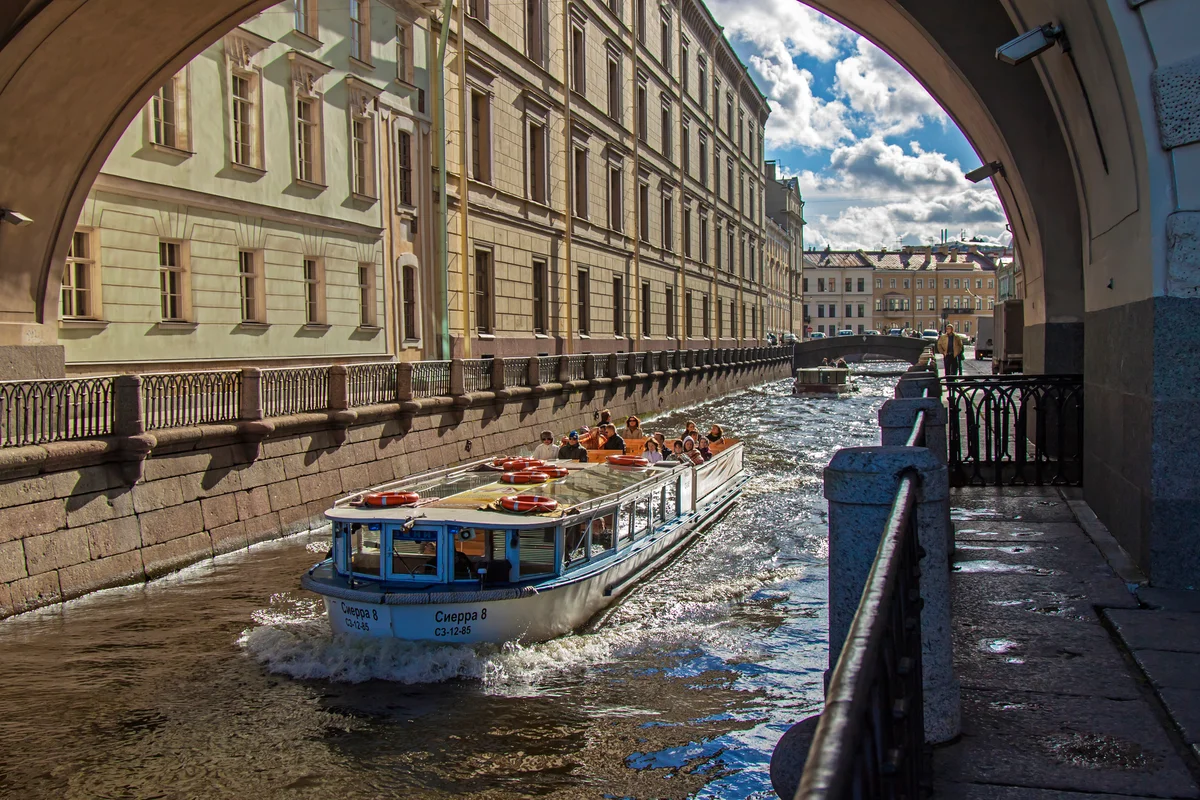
[
  {"x": 614, "y": 369},
  {"x": 589, "y": 366},
  {"x": 458, "y": 382},
  {"x": 563, "y": 372},
  {"x": 498, "y": 374},
  {"x": 339, "y": 392},
  {"x": 404, "y": 382},
  {"x": 129, "y": 418},
  {"x": 251, "y": 407},
  {"x": 535, "y": 374},
  {"x": 896, "y": 419},
  {"x": 861, "y": 485},
  {"x": 914, "y": 385}
]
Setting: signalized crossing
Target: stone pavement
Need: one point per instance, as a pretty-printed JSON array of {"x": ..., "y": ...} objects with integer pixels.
[{"x": 1072, "y": 688}]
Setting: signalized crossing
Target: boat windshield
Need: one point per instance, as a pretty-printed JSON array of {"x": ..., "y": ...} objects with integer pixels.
[{"x": 365, "y": 548}]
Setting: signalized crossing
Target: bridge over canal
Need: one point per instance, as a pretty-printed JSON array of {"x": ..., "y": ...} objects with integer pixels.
[{"x": 898, "y": 348}]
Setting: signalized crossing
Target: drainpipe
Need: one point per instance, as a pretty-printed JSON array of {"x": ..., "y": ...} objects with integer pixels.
[
  {"x": 442, "y": 282},
  {"x": 569, "y": 221}
]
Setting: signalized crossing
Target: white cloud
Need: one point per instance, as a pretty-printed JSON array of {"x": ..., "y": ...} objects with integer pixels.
[
  {"x": 877, "y": 87},
  {"x": 872, "y": 167},
  {"x": 799, "y": 118},
  {"x": 912, "y": 221}
]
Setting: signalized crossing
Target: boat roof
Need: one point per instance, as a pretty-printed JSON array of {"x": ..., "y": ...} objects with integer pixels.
[{"x": 470, "y": 494}]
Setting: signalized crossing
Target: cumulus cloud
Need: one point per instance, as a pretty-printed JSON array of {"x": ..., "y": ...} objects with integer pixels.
[
  {"x": 911, "y": 221},
  {"x": 883, "y": 92},
  {"x": 872, "y": 167},
  {"x": 798, "y": 118}
]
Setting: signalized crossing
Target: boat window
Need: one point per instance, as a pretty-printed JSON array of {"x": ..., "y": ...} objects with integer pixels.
[
  {"x": 414, "y": 554},
  {"x": 641, "y": 516},
  {"x": 536, "y": 550},
  {"x": 364, "y": 558},
  {"x": 575, "y": 545},
  {"x": 602, "y": 533},
  {"x": 685, "y": 491},
  {"x": 624, "y": 524},
  {"x": 671, "y": 500},
  {"x": 471, "y": 550},
  {"x": 341, "y": 545}
]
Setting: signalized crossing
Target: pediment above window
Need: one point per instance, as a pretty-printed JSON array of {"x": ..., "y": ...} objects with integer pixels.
[{"x": 241, "y": 46}]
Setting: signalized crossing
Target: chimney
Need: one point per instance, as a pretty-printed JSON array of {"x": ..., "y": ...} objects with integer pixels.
[
  {"x": 770, "y": 170},
  {"x": 928, "y": 256}
]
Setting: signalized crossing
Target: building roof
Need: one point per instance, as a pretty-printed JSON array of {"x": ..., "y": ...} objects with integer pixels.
[{"x": 948, "y": 258}]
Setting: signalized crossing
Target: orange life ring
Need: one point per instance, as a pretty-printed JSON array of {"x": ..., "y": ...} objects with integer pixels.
[
  {"x": 525, "y": 476},
  {"x": 628, "y": 461},
  {"x": 515, "y": 464},
  {"x": 498, "y": 461},
  {"x": 554, "y": 471},
  {"x": 527, "y": 503},
  {"x": 389, "y": 499}
]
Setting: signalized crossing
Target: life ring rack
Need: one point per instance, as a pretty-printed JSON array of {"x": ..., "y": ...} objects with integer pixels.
[
  {"x": 627, "y": 461},
  {"x": 554, "y": 471},
  {"x": 390, "y": 499},
  {"x": 528, "y": 503},
  {"x": 525, "y": 476}
]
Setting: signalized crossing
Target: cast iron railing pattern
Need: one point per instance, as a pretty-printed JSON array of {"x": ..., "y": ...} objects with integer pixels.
[
  {"x": 870, "y": 740},
  {"x": 371, "y": 384},
  {"x": 181, "y": 399},
  {"x": 33, "y": 412},
  {"x": 602, "y": 366},
  {"x": 516, "y": 372},
  {"x": 575, "y": 368},
  {"x": 431, "y": 379},
  {"x": 547, "y": 369},
  {"x": 477, "y": 374},
  {"x": 1015, "y": 430},
  {"x": 294, "y": 390}
]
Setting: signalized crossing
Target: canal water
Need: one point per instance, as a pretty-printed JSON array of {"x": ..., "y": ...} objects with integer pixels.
[{"x": 224, "y": 681}]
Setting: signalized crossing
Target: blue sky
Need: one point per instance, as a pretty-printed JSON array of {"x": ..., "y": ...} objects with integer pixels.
[{"x": 879, "y": 162}]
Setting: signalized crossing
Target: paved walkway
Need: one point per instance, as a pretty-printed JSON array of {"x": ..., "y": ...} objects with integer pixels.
[{"x": 1056, "y": 704}]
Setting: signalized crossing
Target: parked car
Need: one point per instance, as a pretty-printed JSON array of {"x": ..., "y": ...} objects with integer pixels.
[
  {"x": 845, "y": 332},
  {"x": 816, "y": 335},
  {"x": 929, "y": 335},
  {"x": 789, "y": 338},
  {"x": 895, "y": 332},
  {"x": 872, "y": 333}
]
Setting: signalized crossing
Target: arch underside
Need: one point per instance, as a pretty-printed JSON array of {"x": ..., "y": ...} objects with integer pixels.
[{"x": 897, "y": 348}]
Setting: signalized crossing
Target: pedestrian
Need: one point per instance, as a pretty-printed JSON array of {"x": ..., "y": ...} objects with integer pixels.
[
  {"x": 572, "y": 449},
  {"x": 950, "y": 348},
  {"x": 547, "y": 450}
]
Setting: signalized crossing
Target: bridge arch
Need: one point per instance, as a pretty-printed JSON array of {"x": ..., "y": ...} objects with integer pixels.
[
  {"x": 898, "y": 348},
  {"x": 1099, "y": 184}
]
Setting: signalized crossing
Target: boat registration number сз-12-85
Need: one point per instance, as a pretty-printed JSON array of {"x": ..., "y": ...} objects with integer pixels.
[{"x": 456, "y": 623}]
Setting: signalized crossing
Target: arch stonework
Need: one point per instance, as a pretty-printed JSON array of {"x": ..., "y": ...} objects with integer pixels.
[
  {"x": 1101, "y": 185},
  {"x": 900, "y": 348}
]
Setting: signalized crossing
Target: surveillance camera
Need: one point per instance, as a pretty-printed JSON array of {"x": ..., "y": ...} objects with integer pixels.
[
  {"x": 986, "y": 171},
  {"x": 14, "y": 218},
  {"x": 1031, "y": 43}
]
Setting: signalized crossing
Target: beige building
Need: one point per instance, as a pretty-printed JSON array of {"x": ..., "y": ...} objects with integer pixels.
[
  {"x": 836, "y": 285},
  {"x": 249, "y": 213},
  {"x": 785, "y": 207},
  {"x": 612, "y": 155}
]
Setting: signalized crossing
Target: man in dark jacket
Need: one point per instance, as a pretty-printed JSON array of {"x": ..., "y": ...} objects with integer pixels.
[
  {"x": 614, "y": 440},
  {"x": 572, "y": 449}
]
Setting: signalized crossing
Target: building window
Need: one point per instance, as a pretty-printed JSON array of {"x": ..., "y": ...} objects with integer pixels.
[
  {"x": 410, "y": 303},
  {"x": 879, "y": 283},
  {"x": 535, "y": 23},
  {"x": 703, "y": 160},
  {"x": 246, "y": 136},
  {"x": 716, "y": 168},
  {"x": 537, "y": 158},
  {"x": 891, "y": 283},
  {"x": 906, "y": 283},
  {"x": 360, "y": 30},
  {"x": 821, "y": 310},
  {"x": 957, "y": 284},
  {"x": 688, "y": 330},
  {"x": 978, "y": 303},
  {"x": 683, "y": 66},
  {"x": 404, "y": 169},
  {"x": 641, "y": 20},
  {"x": 720, "y": 316},
  {"x": 481, "y": 137},
  {"x": 729, "y": 117},
  {"x": 947, "y": 283},
  {"x": 585, "y": 303},
  {"x": 878, "y": 305},
  {"x": 849, "y": 310},
  {"x": 702, "y": 81},
  {"x": 718, "y": 241},
  {"x": 581, "y": 183},
  {"x": 645, "y": 309},
  {"x": 403, "y": 52},
  {"x": 670, "y": 313},
  {"x": 644, "y": 212},
  {"x": 366, "y": 295},
  {"x": 920, "y": 304},
  {"x": 666, "y": 128},
  {"x": 753, "y": 322},
  {"x": 685, "y": 145},
  {"x": 703, "y": 239},
  {"x": 79, "y": 281},
  {"x": 668, "y": 221},
  {"x": 643, "y": 120},
  {"x": 991, "y": 283},
  {"x": 478, "y": 9},
  {"x": 172, "y": 278},
  {"x": 618, "y": 306},
  {"x": 578, "y": 60},
  {"x": 687, "y": 233},
  {"x": 308, "y": 140},
  {"x": 805, "y": 282},
  {"x": 665, "y": 43},
  {"x": 541, "y": 291},
  {"x": 704, "y": 316},
  {"x": 716, "y": 109},
  {"x": 314, "y": 291},
  {"x": 169, "y": 113},
  {"x": 483, "y": 291},
  {"x": 614, "y": 87},
  {"x": 729, "y": 179},
  {"x": 250, "y": 283},
  {"x": 362, "y": 136},
  {"x": 862, "y": 310},
  {"x": 306, "y": 17},
  {"x": 616, "y": 193}
]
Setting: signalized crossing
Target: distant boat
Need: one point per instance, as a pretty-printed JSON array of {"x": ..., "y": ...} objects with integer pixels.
[
  {"x": 503, "y": 550},
  {"x": 823, "y": 381}
]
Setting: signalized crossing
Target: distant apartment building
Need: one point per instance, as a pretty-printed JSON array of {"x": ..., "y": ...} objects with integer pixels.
[
  {"x": 837, "y": 290},
  {"x": 605, "y": 182},
  {"x": 262, "y": 208},
  {"x": 785, "y": 207}
]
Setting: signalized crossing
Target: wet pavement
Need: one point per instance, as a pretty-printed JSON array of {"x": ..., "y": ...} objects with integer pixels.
[{"x": 1055, "y": 703}]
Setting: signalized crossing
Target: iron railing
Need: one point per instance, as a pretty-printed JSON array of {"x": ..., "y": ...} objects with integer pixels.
[
  {"x": 38, "y": 411},
  {"x": 477, "y": 374},
  {"x": 602, "y": 366},
  {"x": 180, "y": 399},
  {"x": 516, "y": 372},
  {"x": 431, "y": 379},
  {"x": 575, "y": 368},
  {"x": 547, "y": 369},
  {"x": 371, "y": 384},
  {"x": 870, "y": 740},
  {"x": 294, "y": 390},
  {"x": 1015, "y": 430}
]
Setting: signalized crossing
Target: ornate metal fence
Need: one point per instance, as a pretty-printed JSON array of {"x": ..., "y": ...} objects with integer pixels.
[
  {"x": 602, "y": 366},
  {"x": 547, "y": 369},
  {"x": 575, "y": 368},
  {"x": 516, "y": 372},
  {"x": 1015, "y": 430},
  {"x": 180, "y": 399},
  {"x": 477, "y": 374},
  {"x": 870, "y": 740},
  {"x": 294, "y": 390},
  {"x": 431, "y": 379},
  {"x": 371, "y": 384},
  {"x": 33, "y": 412}
]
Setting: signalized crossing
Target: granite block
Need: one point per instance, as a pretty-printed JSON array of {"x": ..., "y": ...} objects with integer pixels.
[
  {"x": 1166, "y": 668},
  {"x": 1156, "y": 630}
]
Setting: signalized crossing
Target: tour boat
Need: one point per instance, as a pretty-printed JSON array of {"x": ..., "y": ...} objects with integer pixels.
[
  {"x": 501, "y": 550},
  {"x": 823, "y": 380}
]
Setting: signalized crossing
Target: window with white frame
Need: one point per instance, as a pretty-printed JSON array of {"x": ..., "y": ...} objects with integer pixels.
[
  {"x": 305, "y": 19},
  {"x": 168, "y": 113},
  {"x": 703, "y": 150},
  {"x": 641, "y": 20},
  {"x": 172, "y": 282},
  {"x": 366, "y": 295},
  {"x": 643, "y": 117},
  {"x": 409, "y": 291},
  {"x": 362, "y": 152},
  {"x": 308, "y": 140},
  {"x": 683, "y": 65},
  {"x": 685, "y": 145},
  {"x": 537, "y": 158},
  {"x": 584, "y": 300},
  {"x": 666, "y": 125},
  {"x": 704, "y": 320},
  {"x": 404, "y": 49},
  {"x": 80, "y": 282},
  {"x": 246, "y": 135},
  {"x": 314, "y": 291},
  {"x": 481, "y": 136},
  {"x": 360, "y": 30},
  {"x": 250, "y": 286},
  {"x": 404, "y": 168},
  {"x": 578, "y": 56},
  {"x": 703, "y": 239},
  {"x": 702, "y": 81}
]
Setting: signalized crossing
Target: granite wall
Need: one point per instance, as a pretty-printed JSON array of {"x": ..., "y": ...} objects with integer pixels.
[{"x": 73, "y": 522}]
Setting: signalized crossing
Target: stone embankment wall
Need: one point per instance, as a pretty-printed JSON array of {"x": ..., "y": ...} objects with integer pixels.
[{"x": 80, "y": 516}]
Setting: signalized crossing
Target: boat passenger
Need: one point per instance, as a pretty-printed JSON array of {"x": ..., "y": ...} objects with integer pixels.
[
  {"x": 716, "y": 434},
  {"x": 690, "y": 452},
  {"x": 841, "y": 364},
  {"x": 690, "y": 430},
  {"x": 614, "y": 440},
  {"x": 547, "y": 450},
  {"x": 633, "y": 428},
  {"x": 605, "y": 418},
  {"x": 663, "y": 447},
  {"x": 705, "y": 453},
  {"x": 572, "y": 449},
  {"x": 652, "y": 455}
]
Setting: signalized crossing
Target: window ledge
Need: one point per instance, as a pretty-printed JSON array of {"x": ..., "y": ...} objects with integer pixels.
[
  {"x": 543, "y": 335},
  {"x": 249, "y": 170},
  {"x": 81, "y": 323},
  {"x": 177, "y": 325},
  {"x": 369, "y": 328},
  {"x": 411, "y": 343},
  {"x": 487, "y": 336},
  {"x": 175, "y": 151},
  {"x": 585, "y": 336},
  {"x": 308, "y": 37},
  {"x": 364, "y": 198},
  {"x": 311, "y": 184},
  {"x": 317, "y": 326},
  {"x": 254, "y": 325},
  {"x": 406, "y": 211},
  {"x": 358, "y": 62}
]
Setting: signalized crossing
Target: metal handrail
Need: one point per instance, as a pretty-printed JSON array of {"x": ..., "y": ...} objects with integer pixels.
[
  {"x": 869, "y": 742},
  {"x": 917, "y": 437}
]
